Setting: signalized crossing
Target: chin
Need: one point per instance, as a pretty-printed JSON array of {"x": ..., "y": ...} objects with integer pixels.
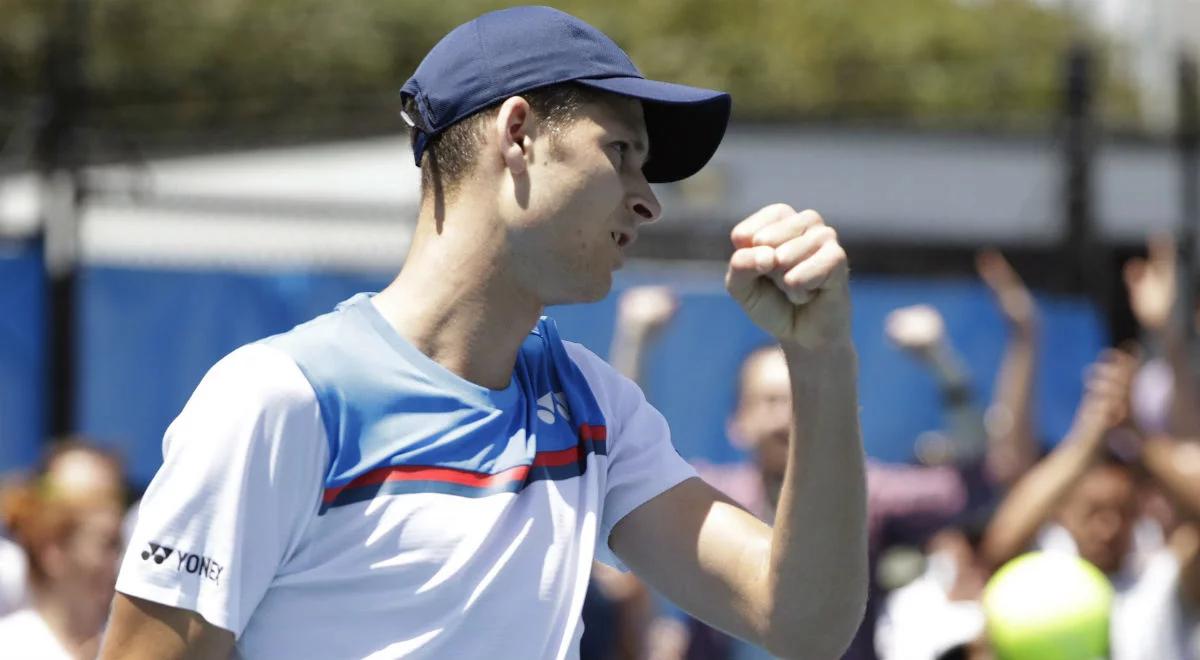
[{"x": 586, "y": 292}]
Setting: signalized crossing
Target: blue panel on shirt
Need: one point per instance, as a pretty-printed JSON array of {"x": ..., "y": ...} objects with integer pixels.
[{"x": 385, "y": 404}]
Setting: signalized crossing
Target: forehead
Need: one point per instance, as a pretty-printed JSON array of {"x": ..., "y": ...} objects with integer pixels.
[
  {"x": 1106, "y": 482},
  {"x": 617, "y": 113},
  {"x": 765, "y": 371}
]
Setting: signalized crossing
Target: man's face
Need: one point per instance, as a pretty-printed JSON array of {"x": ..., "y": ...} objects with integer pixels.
[
  {"x": 586, "y": 197},
  {"x": 1100, "y": 513},
  {"x": 763, "y": 419}
]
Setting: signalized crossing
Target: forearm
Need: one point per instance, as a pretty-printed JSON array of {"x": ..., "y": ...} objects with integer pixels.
[
  {"x": 628, "y": 353},
  {"x": 963, "y": 417},
  {"x": 1033, "y": 499},
  {"x": 1012, "y": 450},
  {"x": 1184, "y": 415},
  {"x": 1175, "y": 467},
  {"x": 817, "y": 572}
]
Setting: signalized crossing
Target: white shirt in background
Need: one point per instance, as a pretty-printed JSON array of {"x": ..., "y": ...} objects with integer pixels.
[{"x": 25, "y": 636}]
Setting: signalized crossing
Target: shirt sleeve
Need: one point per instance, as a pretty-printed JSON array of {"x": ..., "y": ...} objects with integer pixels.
[
  {"x": 242, "y": 474},
  {"x": 642, "y": 462}
]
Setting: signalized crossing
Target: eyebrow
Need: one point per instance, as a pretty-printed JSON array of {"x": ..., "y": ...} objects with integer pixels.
[
  {"x": 642, "y": 148},
  {"x": 625, "y": 125}
]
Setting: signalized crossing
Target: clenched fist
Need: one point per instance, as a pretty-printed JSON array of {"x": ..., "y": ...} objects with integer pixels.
[{"x": 789, "y": 273}]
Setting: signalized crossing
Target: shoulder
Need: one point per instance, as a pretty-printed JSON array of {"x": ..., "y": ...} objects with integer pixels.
[
  {"x": 601, "y": 376},
  {"x": 257, "y": 375},
  {"x": 255, "y": 392}
]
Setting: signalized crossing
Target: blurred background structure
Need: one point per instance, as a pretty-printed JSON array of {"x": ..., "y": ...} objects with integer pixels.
[{"x": 177, "y": 179}]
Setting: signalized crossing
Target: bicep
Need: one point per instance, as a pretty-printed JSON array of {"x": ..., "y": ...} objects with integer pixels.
[
  {"x": 701, "y": 550},
  {"x": 141, "y": 628}
]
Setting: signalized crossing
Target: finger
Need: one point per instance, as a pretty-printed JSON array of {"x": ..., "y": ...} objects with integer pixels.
[
  {"x": 744, "y": 231},
  {"x": 792, "y": 252},
  {"x": 995, "y": 270},
  {"x": 1161, "y": 249},
  {"x": 746, "y": 266},
  {"x": 785, "y": 229},
  {"x": 1134, "y": 271},
  {"x": 812, "y": 274}
]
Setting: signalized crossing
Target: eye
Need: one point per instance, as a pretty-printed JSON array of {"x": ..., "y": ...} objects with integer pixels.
[{"x": 622, "y": 149}]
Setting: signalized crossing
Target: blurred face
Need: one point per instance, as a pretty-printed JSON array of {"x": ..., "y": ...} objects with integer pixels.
[
  {"x": 1100, "y": 513},
  {"x": 91, "y": 557},
  {"x": 764, "y": 415},
  {"x": 586, "y": 197}
]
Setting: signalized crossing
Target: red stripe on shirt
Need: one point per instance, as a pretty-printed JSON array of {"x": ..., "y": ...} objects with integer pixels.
[{"x": 467, "y": 477}]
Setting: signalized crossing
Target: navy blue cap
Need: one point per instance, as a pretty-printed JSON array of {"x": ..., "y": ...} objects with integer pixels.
[{"x": 507, "y": 52}]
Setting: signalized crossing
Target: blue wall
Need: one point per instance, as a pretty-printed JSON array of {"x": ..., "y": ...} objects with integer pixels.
[
  {"x": 22, "y": 353},
  {"x": 148, "y": 336}
]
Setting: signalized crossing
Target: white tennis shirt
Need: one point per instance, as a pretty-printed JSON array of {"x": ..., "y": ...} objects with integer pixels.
[{"x": 332, "y": 492}]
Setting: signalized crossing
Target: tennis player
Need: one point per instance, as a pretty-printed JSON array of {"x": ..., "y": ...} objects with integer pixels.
[{"x": 429, "y": 472}]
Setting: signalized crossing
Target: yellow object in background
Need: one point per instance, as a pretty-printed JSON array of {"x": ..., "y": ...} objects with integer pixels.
[{"x": 1048, "y": 606}]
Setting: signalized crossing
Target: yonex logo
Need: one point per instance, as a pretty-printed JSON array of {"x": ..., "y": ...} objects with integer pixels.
[
  {"x": 159, "y": 552},
  {"x": 187, "y": 562},
  {"x": 550, "y": 404}
]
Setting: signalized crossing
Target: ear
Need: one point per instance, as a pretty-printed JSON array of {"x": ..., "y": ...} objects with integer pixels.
[{"x": 514, "y": 127}]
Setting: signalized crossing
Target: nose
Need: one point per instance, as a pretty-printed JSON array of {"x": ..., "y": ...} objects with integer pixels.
[{"x": 643, "y": 203}]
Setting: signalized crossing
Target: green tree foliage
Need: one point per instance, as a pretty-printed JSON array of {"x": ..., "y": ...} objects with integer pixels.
[{"x": 314, "y": 66}]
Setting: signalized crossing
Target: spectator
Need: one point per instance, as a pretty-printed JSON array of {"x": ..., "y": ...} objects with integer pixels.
[
  {"x": 1165, "y": 391},
  {"x": 939, "y": 613},
  {"x": 1083, "y": 499},
  {"x": 68, "y": 522},
  {"x": 14, "y": 569}
]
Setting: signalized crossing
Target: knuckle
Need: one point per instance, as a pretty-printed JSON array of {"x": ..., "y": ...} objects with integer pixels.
[
  {"x": 795, "y": 279},
  {"x": 779, "y": 210}
]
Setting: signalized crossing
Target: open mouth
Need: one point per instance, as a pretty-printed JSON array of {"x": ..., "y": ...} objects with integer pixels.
[{"x": 621, "y": 238}]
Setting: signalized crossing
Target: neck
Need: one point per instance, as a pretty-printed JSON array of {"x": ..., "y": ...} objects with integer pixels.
[
  {"x": 457, "y": 302},
  {"x": 68, "y": 618}
]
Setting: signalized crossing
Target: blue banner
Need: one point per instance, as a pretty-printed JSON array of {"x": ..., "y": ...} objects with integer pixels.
[
  {"x": 148, "y": 336},
  {"x": 22, "y": 353}
]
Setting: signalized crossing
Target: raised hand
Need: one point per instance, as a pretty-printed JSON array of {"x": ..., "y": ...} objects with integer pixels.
[
  {"x": 1152, "y": 284},
  {"x": 1105, "y": 402},
  {"x": 1016, "y": 303},
  {"x": 645, "y": 310},
  {"x": 790, "y": 275},
  {"x": 918, "y": 329}
]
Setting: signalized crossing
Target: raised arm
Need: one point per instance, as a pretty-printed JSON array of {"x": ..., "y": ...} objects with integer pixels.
[
  {"x": 1175, "y": 467},
  {"x": 921, "y": 331},
  {"x": 800, "y": 589},
  {"x": 1152, "y": 284},
  {"x": 642, "y": 313},
  {"x": 1012, "y": 445},
  {"x": 1036, "y": 496}
]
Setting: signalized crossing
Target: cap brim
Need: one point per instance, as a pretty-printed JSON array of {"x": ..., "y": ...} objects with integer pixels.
[{"x": 685, "y": 124}]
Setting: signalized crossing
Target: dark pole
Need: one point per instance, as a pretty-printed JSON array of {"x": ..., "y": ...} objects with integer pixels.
[
  {"x": 1188, "y": 145},
  {"x": 59, "y": 159},
  {"x": 1082, "y": 248}
]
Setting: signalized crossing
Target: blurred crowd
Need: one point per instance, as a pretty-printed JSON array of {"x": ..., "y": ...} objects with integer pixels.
[
  {"x": 993, "y": 543},
  {"x": 61, "y": 539}
]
